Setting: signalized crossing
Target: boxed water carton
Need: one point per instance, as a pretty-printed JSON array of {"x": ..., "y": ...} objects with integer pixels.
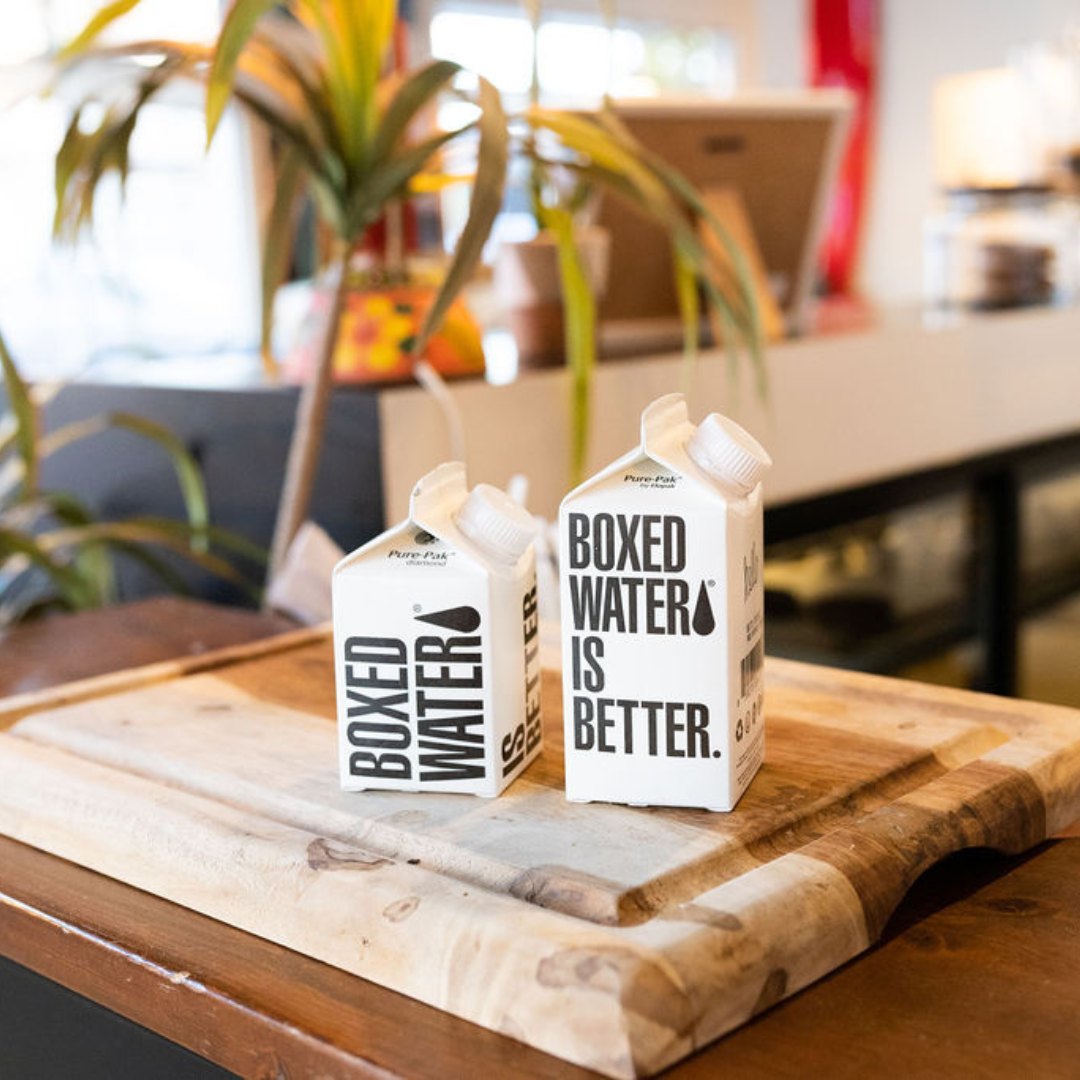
[
  {"x": 436, "y": 642},
  {"x": 662, "y": 615}
]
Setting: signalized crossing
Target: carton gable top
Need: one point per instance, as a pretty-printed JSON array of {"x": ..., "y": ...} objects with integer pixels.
[
  {"x": 431, "y": 506},
  {"x": 665, "y": 431},
  {"x": 434, "y": 501}
]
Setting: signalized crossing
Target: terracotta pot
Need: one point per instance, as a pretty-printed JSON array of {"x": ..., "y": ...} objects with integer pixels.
[{"x": 528, "y": 291}]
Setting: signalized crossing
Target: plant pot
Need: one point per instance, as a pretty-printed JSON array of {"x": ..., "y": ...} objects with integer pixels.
[
  {"x": 378, "y": 323},
  {"x": 527, "y": 287}
]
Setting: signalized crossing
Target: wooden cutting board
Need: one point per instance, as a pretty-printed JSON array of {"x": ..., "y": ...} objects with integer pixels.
[{"x": 618, "y": 938}]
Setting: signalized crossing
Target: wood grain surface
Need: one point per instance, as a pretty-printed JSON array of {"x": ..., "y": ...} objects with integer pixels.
[
  {"x": 212, "y": 790},
  {"x": 254, "y": 1007},
  {"x": 65, "y": 648},
  {"x": 974, "y": 977}
]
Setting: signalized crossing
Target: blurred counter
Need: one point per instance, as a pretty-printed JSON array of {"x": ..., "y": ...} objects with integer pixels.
[{"x": 839, "y": 411}]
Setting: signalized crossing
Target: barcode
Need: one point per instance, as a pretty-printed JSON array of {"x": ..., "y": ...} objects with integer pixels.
[{"x": 751, "y": 665}]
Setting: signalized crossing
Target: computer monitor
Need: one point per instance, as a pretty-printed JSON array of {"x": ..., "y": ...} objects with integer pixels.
[{"x": 780, "y": 151}]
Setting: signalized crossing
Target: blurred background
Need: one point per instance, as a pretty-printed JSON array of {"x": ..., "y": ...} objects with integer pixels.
[{"x": 938, "y": 190}]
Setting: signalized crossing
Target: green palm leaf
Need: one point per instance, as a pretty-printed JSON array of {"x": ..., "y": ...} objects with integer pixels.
[
  {"x": 268, "y": 110},
  {"x": 160, "y": 532},
  {"x": 579, "y": 314},
  {"x": 730, "y": 304},
  {"x": 412, "y": 96},
  {"x": 26, "y": 420},
  {"x": 76, "y": 592},
  {"x": 162, "y": 570},
  {"x": 486, "y": 199},
  {"x": 338, "y": 72},
  {"x": 60, "y": 505},
  {"x": 745, "y": 323},
  {"x": 9, "y": 432},
  {"x": 101, "y": 21},
  {"x": 589, "y": 139},
  {"x": 188, "y": 475},
  {"x": 84, "y": 158},
  {"x": 238, "y": 26},
  {"x": 390, "y": 181},
  {"x": 281, "y": 41},
  {"x": 686, "y": 290},
  {"x": 278, "y": 246},
  {"x": 223, "y": 539},
  {"x": 262, "y": 76}
]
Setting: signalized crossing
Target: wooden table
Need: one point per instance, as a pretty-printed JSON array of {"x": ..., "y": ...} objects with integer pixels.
[{"x": 977, "y": 973}]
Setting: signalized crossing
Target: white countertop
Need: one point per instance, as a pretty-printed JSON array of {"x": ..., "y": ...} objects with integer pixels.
[{"x": 841, "y": 411}]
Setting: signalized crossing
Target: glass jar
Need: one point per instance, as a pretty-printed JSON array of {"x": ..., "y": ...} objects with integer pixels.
[{"x": 1000, "y": 248}]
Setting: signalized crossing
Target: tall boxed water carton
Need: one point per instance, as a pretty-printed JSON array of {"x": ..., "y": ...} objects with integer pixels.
[
  {"x": 662, "y": 615},
  {"x": 436, "y": 643}
]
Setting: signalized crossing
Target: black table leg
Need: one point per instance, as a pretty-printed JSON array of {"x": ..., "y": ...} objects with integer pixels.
[
  {"x": 48, "y": 1032},
  {"x": 997, "y": 580}
]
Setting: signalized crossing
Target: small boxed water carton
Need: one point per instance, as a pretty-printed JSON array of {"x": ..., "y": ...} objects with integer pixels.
[
  {"x": 437, "y": 647},
  {"x": 662, "y": 610}
]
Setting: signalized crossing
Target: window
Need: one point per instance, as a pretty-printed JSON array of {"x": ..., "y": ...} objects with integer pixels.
[
  {"x": 173, "y": 268},
  {"x": 579, "y": 60}
]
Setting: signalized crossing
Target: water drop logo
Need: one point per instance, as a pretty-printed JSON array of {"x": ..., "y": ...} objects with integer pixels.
[
  {"x": 703, "y": 622},
  {"x": 463, "y": 620}
]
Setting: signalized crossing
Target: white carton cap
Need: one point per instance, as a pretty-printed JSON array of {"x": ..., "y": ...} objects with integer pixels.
[
  {"x": 728, "y": 453},
  {"x": 495, "y": 523}
]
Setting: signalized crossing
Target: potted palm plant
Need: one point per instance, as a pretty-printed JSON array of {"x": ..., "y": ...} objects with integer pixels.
[
  {"x": 55, "y": 553},
  {"x": 571, "y": 160},
  {"x": 603, "y": 156},
  {"x": 312, "y": 71}
]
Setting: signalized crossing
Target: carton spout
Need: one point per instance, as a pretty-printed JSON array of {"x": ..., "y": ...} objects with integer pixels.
[
  {"x": 728, "y": 453},
  {"x": 437, "y": 493},
  {"x": 666, "y": 419},
  {"x": 502, "y": 528}
]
